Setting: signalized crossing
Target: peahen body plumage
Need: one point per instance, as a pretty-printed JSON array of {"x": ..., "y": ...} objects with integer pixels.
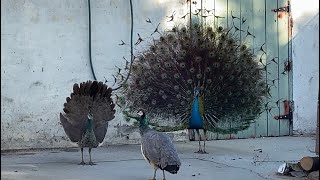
[
  {"x": 202, "y": 77},
  {"x": 157, "y": 148},
  {"x": 87, "y": 113}
]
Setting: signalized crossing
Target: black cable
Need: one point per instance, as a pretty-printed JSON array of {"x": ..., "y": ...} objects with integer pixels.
[
  {"x": 131, "y": 47},
  {"x": 90, "y": 56}
]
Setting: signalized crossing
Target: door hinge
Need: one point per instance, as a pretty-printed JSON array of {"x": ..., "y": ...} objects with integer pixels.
[{"x": 282, "y": 9}]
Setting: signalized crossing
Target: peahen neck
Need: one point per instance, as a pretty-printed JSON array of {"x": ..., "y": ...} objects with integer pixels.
[
  {"x": 89, "y": 125},
  {"x": 196, "y": 121},
  {"x": 144, "y": 125}
]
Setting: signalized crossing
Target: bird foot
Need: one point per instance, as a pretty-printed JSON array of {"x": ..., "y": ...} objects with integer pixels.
[
  {"x": 152, "y": 179},
  {"x": 91, "y": 163},
  {"x": 204, "y": 152},
  {"x": 199, "y": 152},
  {"x": 82, "y": 163}
]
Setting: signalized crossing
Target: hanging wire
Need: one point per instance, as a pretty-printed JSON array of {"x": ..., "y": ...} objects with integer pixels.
[
  {"x": 131, "y": 48},
  {"x": 90, "y": 56}
]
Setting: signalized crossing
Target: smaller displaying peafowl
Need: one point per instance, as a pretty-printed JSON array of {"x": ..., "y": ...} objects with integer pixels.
[
  {"x": 86, "y": 115},
  {"x": 157, "y": 148}
]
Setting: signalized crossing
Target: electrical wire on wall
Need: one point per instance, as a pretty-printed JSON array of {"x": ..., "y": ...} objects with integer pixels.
[
  {"x": 90, "y": 56},
  {"x": 131, "y": 44},
  {"x": 131, "y": 47}
]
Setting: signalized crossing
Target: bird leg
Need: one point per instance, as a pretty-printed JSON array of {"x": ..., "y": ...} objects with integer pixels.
[
  {"x": 200, "y": 150},
  {"x": 204, "y": 141},
  {"x": 164, "y": 176},
  {"x": 154, "y": 175},
  {"x": 82, "y": 162},
  {"x": 90, "y": 162}
]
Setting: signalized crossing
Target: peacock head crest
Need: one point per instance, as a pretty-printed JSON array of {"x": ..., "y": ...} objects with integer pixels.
[
  {"x": 140, "y": 112},
  {"x": 197, "y": 91},
  {"x": 90, "y": 115}
]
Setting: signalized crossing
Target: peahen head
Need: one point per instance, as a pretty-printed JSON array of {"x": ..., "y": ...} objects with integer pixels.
[
  {"x": 90, "y": 116},
  {"x": 143, "y": 120}
]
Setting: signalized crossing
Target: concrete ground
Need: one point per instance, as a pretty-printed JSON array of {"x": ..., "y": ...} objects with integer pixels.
[{"x": 250, "y": 159}]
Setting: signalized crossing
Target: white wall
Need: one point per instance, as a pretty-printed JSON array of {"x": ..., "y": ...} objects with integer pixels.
[
  {"x": 44, "y": 51},
  {"x": 305, "y": 64}
]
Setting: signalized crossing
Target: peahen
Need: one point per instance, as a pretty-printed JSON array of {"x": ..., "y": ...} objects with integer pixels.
[
  {"x": 156, "y": 147},
  {"x": 86, "y": 114},
  {"x": 201, "y": 77}
]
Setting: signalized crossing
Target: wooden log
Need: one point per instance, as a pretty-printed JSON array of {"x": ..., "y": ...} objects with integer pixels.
[{"x": 309, "y": 163}]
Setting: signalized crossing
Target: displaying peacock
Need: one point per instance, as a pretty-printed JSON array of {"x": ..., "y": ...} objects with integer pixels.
[
  {"x": 87, "y": 113},
  {"x": 156, "y": 147},
  {"x": 201, "y": 77}
]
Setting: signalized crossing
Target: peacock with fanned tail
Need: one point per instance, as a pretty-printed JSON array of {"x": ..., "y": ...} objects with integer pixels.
[
  {"x": 200, "y": 77},
  {"x": 86, "y": 115}
]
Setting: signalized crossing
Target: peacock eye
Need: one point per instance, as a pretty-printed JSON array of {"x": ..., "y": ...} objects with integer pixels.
[
  {"x": 175, "y": 42},
  {"x": 220, "y": 28},
  {"x": 198, "y": 59},
  {"x": 176, "y": 87},
  {"x": 184, "y": 30},
  {"x": 189, "y": 81},
  {"x": 162, "y": 39},
  {"x": 141, "y": 83},
  {"x": 211, "y": 54},
  {"x": 243, "y": 47},
  {"x": 223, "y": 37},
  {"x": 182, "y": 65},
  {"x": 192, "y": 70},
  {"x": 176, "y": 75},
  {"x": 199, "y": 76},
  {"x": 209, "y": 29},
  {"x": 163, "y": 75},
  {"x": 230, "y": 41},
  {"x": 183, "y": 52},
  {"x": 170, "y": 37},
  {"x": 152, "y": 48}
]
